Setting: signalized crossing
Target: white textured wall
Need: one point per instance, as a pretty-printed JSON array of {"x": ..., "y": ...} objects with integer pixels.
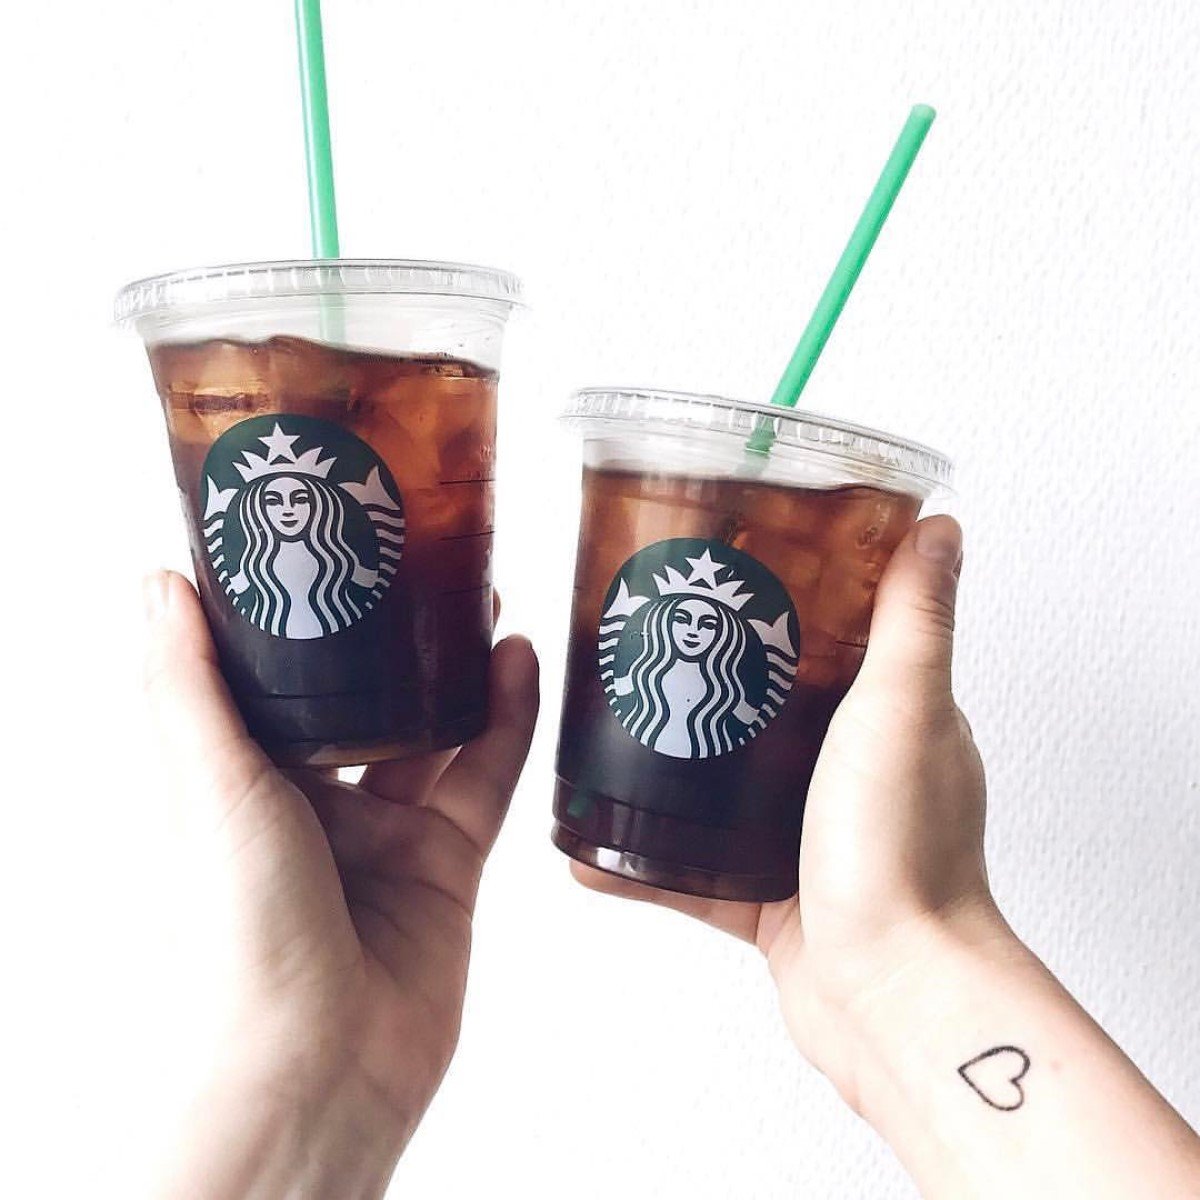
[{"x": 673, "y": 180}]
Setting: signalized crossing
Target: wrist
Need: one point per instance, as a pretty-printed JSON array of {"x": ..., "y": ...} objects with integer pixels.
[
  {"x": 316, "y": 1126},
  {"x": 987, "y": 1079},
  {"x": 921, "y": 985},
  {"x": 851, "y": 1014}
]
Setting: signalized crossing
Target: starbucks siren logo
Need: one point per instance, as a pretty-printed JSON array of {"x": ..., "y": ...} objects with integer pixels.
[
  {"x": 304, "y": 535},
  {"x": 698, "y": 647}
]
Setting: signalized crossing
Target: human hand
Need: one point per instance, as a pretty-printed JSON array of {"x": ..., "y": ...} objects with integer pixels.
[
  {"x": 347, "y": 915},
  {"x": 891, "y": 857}
]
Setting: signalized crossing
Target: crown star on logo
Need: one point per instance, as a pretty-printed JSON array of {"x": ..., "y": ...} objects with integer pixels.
[
  {"x": 281, "y": 459},
  {"x": 701, "y": 581}
]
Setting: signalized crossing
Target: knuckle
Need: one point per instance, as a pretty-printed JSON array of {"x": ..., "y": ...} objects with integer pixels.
[
  {"x": 158, "y": 676},
  {"x": 891, "y": 710},
  {"x": 239, "y": 780},
  {"x": 934, "y": 613},
  {"x": 964, "y": 725}
]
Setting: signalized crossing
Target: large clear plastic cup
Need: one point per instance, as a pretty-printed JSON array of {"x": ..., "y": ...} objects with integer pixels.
[
  {"x": 722, "y": 602},
  {"x": 332, "y": 426}
]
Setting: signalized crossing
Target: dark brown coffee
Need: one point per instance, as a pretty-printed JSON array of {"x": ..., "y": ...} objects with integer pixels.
[
  {"x": 339, "y": 504},
  {"x": 717, "y": 624}
]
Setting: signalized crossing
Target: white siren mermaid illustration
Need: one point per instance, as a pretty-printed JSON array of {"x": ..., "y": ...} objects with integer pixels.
[
  {"x": 301, "y": 556},
  {"x": 689, "y": 673}
]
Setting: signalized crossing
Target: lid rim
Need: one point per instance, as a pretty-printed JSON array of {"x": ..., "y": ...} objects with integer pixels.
[
  {"x": 209, "y": 286},
  {"x": 672, "y": 409}
]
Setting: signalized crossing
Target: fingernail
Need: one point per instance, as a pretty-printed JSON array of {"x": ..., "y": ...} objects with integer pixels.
[
  {"x": 941, "y": 542},
  {"x": 154, "y": 595}
]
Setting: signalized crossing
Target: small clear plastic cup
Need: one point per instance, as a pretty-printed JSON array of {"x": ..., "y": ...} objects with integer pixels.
[
  {"x": 332, "y": 427},
  {"x": 722, "y": 602}
]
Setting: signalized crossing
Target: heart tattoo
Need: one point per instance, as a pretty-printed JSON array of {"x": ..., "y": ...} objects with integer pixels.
[{"x": 995, "y": 1076}]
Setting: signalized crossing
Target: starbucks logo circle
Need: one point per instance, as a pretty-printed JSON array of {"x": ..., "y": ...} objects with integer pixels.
[
  {"x": 303, "y": 524},
  {"x": 698, "y": 647}
]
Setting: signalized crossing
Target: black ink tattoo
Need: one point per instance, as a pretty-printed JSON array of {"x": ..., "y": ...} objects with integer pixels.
[{"x": 995, "y": 1076}]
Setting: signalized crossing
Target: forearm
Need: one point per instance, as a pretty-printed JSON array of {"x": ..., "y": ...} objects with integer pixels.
[
  {"x": 988, "y": 1080},
  {"x": 265, "y": 1137}
]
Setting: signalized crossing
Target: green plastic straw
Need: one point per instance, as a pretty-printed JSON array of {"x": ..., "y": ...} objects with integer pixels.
[
  {"x": 322, "y": 208},
  {"x": 845, "y": 274}
]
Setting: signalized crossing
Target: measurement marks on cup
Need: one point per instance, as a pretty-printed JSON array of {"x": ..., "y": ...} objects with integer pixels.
[
  {"x": 479, "y": 533},
  {"x": 465, "y": 539},
  {"x": 462, "y": 537},
  {"x": 474, "y": 535},
  {"x": 468, "y": 591}
]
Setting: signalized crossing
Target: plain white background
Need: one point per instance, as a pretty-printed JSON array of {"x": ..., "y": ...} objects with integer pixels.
[{"x": 673, "y": 180}]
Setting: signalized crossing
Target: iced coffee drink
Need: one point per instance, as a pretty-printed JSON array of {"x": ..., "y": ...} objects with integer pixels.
[
  {"x": 333, "y": 430},
  {"x": 721, "y": 608}
]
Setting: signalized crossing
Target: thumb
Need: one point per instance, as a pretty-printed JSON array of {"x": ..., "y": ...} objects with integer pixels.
[
  {"x": 912, "y": 630},
  {"x": 203, "y": 737},
  {"x": 269, "y": 870}
]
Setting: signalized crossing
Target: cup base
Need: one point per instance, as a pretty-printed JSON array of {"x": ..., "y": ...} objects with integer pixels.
[
  {"x": 357, "y": 754},
  {"x": 672, "y": 877}
]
